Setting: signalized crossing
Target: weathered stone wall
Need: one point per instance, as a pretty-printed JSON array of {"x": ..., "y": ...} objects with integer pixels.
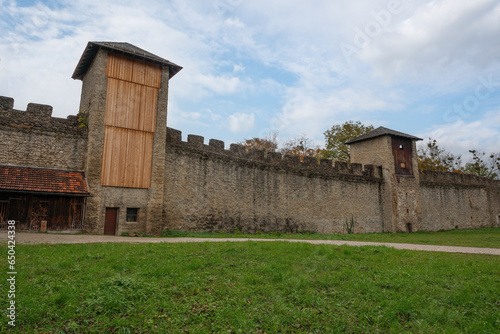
[
  {"x": 208, "y": 188},
  {"x": 494, "y": 205},
  {"x": 198, "y": 187},
  {"x": 93, "y": 103},
  {"x": 33, "y": 138},
  {"x": 461, "y": 201},
  {"x": 376, "y": 151},
  {"x": 400, "y": 197}
]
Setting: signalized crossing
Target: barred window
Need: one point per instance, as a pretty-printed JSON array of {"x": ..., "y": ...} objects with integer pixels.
[{"x": 132, "y": 215}]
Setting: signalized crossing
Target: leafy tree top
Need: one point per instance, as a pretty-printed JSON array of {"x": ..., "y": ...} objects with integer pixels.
[{"x": 337, "y": 135}]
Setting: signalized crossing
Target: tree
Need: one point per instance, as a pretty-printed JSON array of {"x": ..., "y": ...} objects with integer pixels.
[
  {"x": 302, "y": 147},
  {"x": 335, "y": 138},
  {"x": 268, "y": 144},
  {"x": 432, "y": 157},
  {"x": 486, "y": 167}
]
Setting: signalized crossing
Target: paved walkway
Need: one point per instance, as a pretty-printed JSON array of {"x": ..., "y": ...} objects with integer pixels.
[{"x": 49, "y": 238}]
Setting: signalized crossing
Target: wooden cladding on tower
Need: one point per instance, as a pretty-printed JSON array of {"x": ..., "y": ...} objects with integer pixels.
[
  {"x": 133, "y": 70},
  {"x": 130, "y": 121},
  {"x": 131, "y": 106},
  {"x": 127, "y": 158}
]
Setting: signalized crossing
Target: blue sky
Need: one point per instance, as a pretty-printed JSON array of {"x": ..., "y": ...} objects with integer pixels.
[{"x": 427, "y": 68}]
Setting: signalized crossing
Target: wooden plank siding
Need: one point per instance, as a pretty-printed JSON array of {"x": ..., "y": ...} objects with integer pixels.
[
  {"x": 130, "y": 121},
  {"x": 62, "y": 213},
  {"x": 119, "y": 67},
  {"x": 127, "y": 158},
  {"x": 133, "y": 70},
  {"x": 131, "y": 106}
]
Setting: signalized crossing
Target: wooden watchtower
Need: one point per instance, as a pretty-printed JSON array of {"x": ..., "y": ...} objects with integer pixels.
[{"x": 124, "y": 98}]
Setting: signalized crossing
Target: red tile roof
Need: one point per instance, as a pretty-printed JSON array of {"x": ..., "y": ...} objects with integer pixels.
[{"x": 27, "y": 179}]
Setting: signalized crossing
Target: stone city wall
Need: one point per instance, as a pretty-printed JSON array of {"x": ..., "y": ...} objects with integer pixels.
[
  {"x": 33, "y": 138},
  {"x": 458, "y": 201},
  {"x": 208, "y": 188}
]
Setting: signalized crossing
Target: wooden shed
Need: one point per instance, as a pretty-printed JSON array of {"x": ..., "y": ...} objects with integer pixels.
[{"x": 40, "y": 199}]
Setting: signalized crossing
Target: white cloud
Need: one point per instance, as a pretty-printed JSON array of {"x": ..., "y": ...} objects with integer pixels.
[
  {"x": 233, "y": 23},
  {"x": 310, "y": 113},
  {"x": 241, "y": 123},
  {"x": 212, "y": 115},
  {"x": 192, "y": 115},
  {"x": 238, "y": 68},
  {"x": 461, "y": 136},
  {"x": 219, "y": 84},
  {"x": 286, "y": 50},
  {"x": 445, "y": 40}
]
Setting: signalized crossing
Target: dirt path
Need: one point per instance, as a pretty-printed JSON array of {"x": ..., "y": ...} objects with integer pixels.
[{"x": 49, "y": 238}]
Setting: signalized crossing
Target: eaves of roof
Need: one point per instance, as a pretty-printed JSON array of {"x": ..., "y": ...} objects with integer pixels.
[{"x": 123, "y": 48}]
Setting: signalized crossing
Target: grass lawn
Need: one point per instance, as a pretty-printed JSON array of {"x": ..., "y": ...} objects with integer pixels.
[
  {"x": 484, "y": 237},
  {"x": 251, "y": 288}
]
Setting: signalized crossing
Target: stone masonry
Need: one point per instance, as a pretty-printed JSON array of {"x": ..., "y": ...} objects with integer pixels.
[
  {"x": 33, "y": 138},
  {"x": 206, "y": 187}
]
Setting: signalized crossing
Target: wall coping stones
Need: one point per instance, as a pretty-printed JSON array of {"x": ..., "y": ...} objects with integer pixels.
[
  {"x": 450, "y": 179},
  {"x": 260, "y": 159},
  {"x": 36, "y": 118},
  {"x": 311, "y": 166},
  {"x": 6, "y": 104},
  {"x": 216, "y": 144},
  {"x": 195, "y": 140}
]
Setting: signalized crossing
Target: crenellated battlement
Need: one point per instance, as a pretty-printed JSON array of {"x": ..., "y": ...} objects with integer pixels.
[
  {"x": 437, "y": 178},
  {"x": 255, "y": 158},
  {"x": 36, "y": 117}
]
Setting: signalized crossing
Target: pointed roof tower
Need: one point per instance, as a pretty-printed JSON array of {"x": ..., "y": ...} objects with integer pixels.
[
  {"x": 119, "y": 47},
  {"x": 381, "y": 131}
]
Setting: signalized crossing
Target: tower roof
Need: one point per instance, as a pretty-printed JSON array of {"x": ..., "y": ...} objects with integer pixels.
[
  {"x": 120, "y": 47},
  {"x": 381, "y": 131}
]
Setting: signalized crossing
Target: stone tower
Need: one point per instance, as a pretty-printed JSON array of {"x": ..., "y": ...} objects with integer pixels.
[
  {"x": 396, "y": 152},
  {"x": 124, "y": 98}
]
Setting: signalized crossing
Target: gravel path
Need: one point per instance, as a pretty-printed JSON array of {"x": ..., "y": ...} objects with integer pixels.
[{"x": 49, "y": 238}]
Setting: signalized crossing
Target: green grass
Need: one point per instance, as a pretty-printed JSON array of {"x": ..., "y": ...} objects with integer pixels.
[
  {"x": 485, "y": 237},
  {"x": 251, "y": 287}
]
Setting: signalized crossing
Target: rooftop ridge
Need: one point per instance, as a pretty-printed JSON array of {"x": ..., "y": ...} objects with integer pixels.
[
  {"x": 123, "y": 47},
  {"x": 381, "y": 131}
]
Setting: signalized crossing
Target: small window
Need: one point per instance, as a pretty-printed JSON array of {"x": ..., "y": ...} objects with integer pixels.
[
  {"x": 403, "y": 165},
  {"x": 401, "y": 147},
  {"x": 132, "y": 215}
]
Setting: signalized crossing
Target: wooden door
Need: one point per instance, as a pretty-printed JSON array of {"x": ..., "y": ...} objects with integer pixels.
[
  {"x": 402, "y": 149},
  {"x": 110, "y": 221}
]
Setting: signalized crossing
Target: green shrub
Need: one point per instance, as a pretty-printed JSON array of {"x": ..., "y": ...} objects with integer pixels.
[
  {"x": 83, "y": 121},
  {"x": 349, "y": 225}
]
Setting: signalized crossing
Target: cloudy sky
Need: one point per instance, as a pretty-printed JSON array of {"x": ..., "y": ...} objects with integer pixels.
[{"x": 427, "y": 68}]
